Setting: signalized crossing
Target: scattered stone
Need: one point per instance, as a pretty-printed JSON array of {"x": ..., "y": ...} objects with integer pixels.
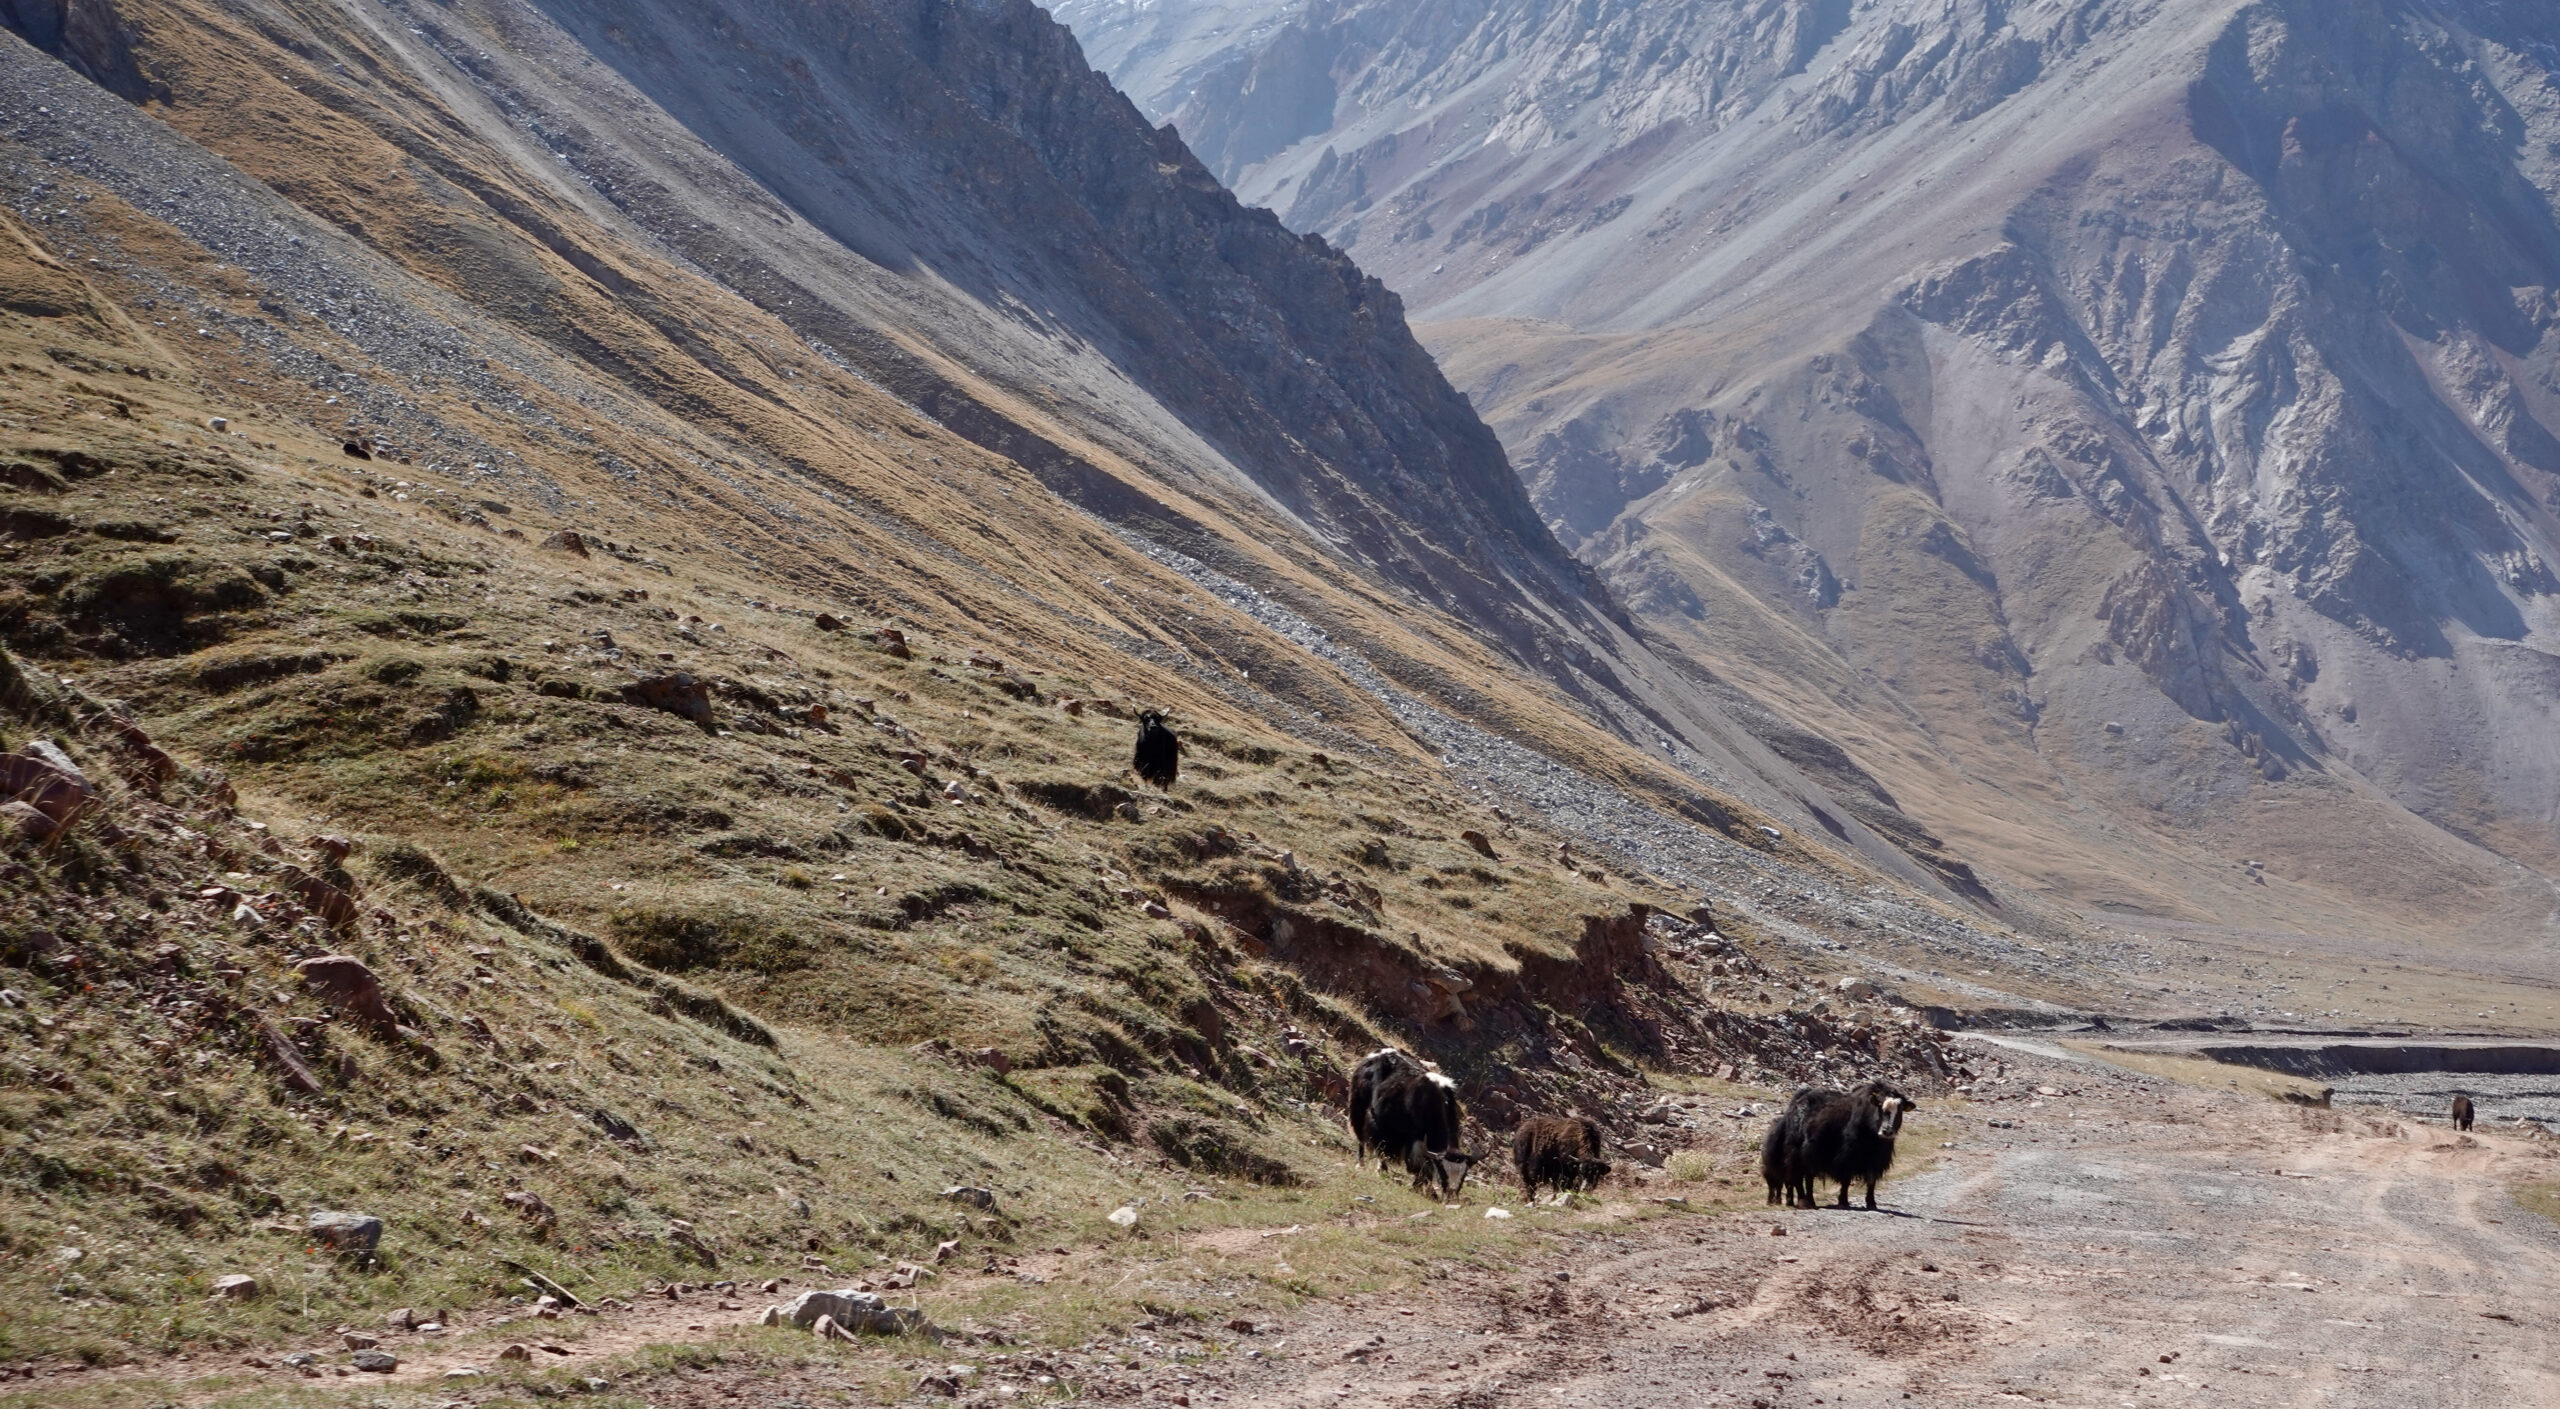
[
  {"x": 518, "y": 1351},
  {"x": 1243, "y": 1327},
  {"x": 336, "y": 848},
  {"x": 1482, "y": 843},
  {"x": 1125, "y": 1216},
  {"x": 938, "y": 1382},
  {"x": 893, "y": 641},
  {"x": 1497, "y": 1213},
  {"x": 567, "y": 540},
  {"x": 403, "y": 1319},
  {"x": 974, "y": 1197},
  {"x": 346, "y": 1232},
  {"x": 378, "y": 1362},
  {"x": 464, "y": 1372},
  {"x": 236, "y": 1287},
  {"x": 943, "y": 1251},
  {"x": 826, "y": 622},
  {"x": 1858, "y": 989}
]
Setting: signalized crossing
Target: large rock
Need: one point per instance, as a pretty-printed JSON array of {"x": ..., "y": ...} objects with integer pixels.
[
  {"x": 676, "y": 693},
  {"x": 236, "y": 1287},
  {"x": 344, "y": 982},
  {"x": 853, "y": 1310},
  {"x": 345, "y": 1232},
  {"x": 44, "y": 778}
]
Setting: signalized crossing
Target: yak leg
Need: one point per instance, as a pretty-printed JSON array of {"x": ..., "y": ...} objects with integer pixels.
[
  {"x": 1871, "y": 1195},
  {"x": 1845, "y": 1181}
]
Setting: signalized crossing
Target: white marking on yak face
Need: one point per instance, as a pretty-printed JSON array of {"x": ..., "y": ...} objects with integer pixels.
[
  {"x": 1383, "y": 1052},
  {"x": 1889, "y": 1116},
  {"x": 1440, "y": 1081}
]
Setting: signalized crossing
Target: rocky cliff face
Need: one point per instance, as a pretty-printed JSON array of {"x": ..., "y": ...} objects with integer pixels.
[{"x": 2131, "y": 418}]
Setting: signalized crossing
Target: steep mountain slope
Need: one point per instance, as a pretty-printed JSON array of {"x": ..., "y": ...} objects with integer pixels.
[
  {"x": 2123, "y": 424},
  {"x": 699, "y": 551}
]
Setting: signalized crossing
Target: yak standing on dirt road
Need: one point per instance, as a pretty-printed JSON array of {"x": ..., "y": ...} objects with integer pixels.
[
  {"x": 1159, "y": 753},
  {"x": 2461, "y": 1112},
  {"x": 1562, "y": 1152},
  {"x": 1844, "y": 1136},
  {"x": 1404, "y": 1111}
]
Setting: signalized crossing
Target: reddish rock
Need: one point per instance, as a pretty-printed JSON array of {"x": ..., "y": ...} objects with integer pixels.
[
  {"x": 677, "y": 694},
  {"x": 44, "y": 778},
  {"x": 345, "y": 983}
]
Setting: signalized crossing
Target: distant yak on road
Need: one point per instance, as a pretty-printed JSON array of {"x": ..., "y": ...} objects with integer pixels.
[
  {"x": 1846, "y": 1136},
  {"x": 2461, "y": 1112}
]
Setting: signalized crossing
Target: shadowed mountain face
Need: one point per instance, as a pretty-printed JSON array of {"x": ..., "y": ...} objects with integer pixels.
[{"x": 2129, "y": 420}]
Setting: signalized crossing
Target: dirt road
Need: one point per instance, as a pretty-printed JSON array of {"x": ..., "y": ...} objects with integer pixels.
[
  {"x": 2083, "y": 1235},
  {"x": 2128, "y": 1243}
]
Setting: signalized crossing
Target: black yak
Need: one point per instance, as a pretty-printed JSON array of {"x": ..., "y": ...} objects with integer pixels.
[
  {"x": 1562, "y": 1152},
  {"x": 2461, "y": 1112},
  {"x": 1159, "y": 753},
  {"x": 1406, "y": 1112},
  {"x": 1844, "y": 1136}
]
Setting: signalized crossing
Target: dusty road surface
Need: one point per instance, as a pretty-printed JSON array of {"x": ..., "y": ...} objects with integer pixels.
[
  {"x": 2082, "y": 1235},
  {"x": 2129, "y": 1242}
]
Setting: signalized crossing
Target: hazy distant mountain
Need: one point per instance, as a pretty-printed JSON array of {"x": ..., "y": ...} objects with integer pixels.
[{"x": 2126, "y": 422}]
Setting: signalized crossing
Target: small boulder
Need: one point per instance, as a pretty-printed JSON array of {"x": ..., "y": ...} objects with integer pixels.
[
  {"x": 378, "y": 1362},
  {"x": 26, "y": 821},
  {"x": 43, "y": 777},
  {"x": 517, "y": 1351},
  {"x": 345, "y": 1232},
  {"x": 1482, "y": 843},
  {"x": 567, "y": 540},
  {"x": 676, "y": 693},
  {"x": 973, "y": 1197},
  {"x": 826, "y": 622},
  {"x": 358, "y": 1340},
  {"x": 1858, "y": 989},
  {"x": 893, "y": 641},
  {"x": 344, "y": 982},
  {"x": 236, "y": 1287},
  {"x": 851, "y": 1309},
  {"x": 1125, "y": 1216},
  {"x": 403, "y": 1319}
]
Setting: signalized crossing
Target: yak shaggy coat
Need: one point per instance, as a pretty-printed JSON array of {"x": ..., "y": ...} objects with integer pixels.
[
  {"x": 1560, "y": 1152},
  {"x": 1403, "y": 1111},
  {"x": 1843, "y": 1136}
]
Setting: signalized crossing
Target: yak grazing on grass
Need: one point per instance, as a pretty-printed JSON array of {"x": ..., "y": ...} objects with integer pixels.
[
  {"x": 1845, "y": 1136},
  {"x": 1406, "y": 1112},
  {"x": 1561, "y": 1152}
]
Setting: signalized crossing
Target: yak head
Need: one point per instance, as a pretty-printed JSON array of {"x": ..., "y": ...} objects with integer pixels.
[
  {"x": 1150, "y": 720},
  {"x": 1888, "y": 1106}
]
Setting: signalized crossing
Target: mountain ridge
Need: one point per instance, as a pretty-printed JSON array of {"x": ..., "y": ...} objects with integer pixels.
[{"x": 1759, "y": 297}]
